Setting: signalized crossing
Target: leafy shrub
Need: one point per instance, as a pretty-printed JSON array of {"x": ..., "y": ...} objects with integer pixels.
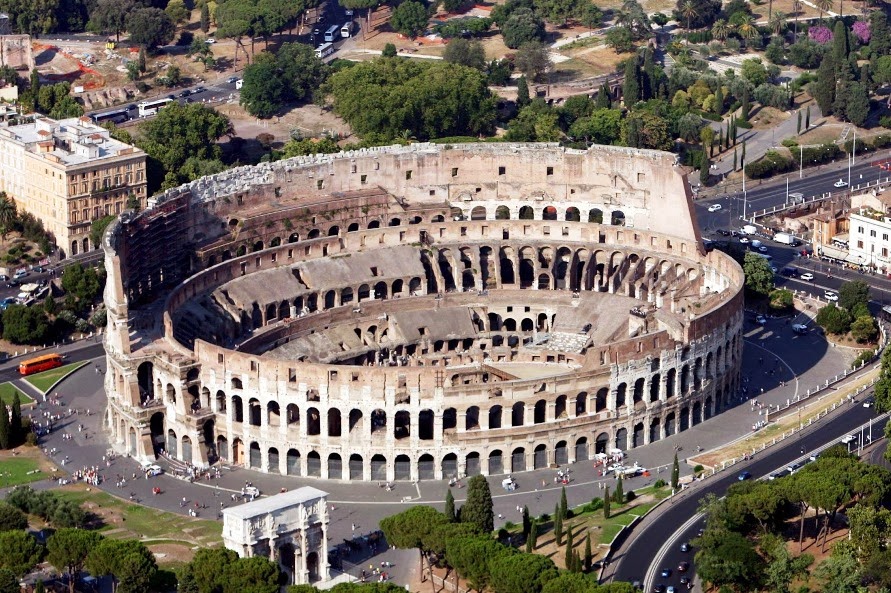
[
  {"x": 659, "y": 484},
  {"x": 698, "y": 469},
  {"x": 862, "y": 358},
  {"x": 630, "y": 496},
  {"x": 771, "y": 164}
]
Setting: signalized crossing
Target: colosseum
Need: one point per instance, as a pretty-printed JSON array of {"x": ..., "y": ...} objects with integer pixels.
[{"x": 417, "y": 313}]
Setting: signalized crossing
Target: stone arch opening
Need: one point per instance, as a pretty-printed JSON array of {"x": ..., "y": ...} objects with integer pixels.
[
  {"x": 527, "y": 213},
  {"x": 426, "y": 467},
  {"x": 581, "y": 449},
  {"x": 572, "y": 214},
  {"x": 622, "y": 439},
  {"x": 549, "y": 213},
  {"x": 335, "y": 466},
  {"x": 292, "y": 462},
  {"x": 145, "y": 374},
  {"x": 334, "y": 422},
  {"x": 601, "y": 443},
  {"x": 617, "y": 218},
  {"x": 449, "y": 466},
  {"x": 237, "y": 409},
  {"x": 255, "y": 460},
  {"x": 378, "y": 421},
  {"x": 378, "y": 467},
  {"x": 540, "y": 457},
  {"x": 254, "y": 412},
  {"x": 478, "y": 213},
  {"x": 595, "y": 215},
  {"x": 502, "y": 213},
  {"x": 621, "y": 392},
  {"x": 314, "y": 464},
  {"x": 495, "y": 413},
  {"x": 539, "y": 412},
  {"x": 402, "y": 425},
  {"x": 518, "y": 410},
  {"x": 272, "y": 461},
  {"x": 356, "y": 466},
  {"x": 449, "y": 419},
  {"x": 313, "y": 422},
  {"x": 472, "y": 418}
]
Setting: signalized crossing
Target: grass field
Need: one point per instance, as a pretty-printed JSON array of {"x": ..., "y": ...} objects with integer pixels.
[
  {"x": 43, "y": 381},
  {"x": 7, "y": 391},
  {"x": 123, "y": 519},
  {"x": 19, "y": 470}
]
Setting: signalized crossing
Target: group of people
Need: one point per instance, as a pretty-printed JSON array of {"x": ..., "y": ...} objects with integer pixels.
[{"x": 87, "y": 475}]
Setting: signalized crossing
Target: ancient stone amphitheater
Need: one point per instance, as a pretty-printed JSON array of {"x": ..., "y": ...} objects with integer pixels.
[{"x": 418, "y": 312}]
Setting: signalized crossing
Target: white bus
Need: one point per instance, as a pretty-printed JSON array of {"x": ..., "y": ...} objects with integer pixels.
[
  {"x": 330, "y": 33},
  {"x": 346, "y": 30},
  {"x": 326, "y": 49},
  {"x": 152, "y": 107}
]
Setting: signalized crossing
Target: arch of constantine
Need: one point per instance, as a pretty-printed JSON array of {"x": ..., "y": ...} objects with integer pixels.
[{"x": 418, "y": 312}]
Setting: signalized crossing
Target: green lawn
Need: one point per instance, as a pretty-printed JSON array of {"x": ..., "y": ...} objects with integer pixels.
[
  {"x": 43, "y": 381},
  {"x": 7, "y": 392},
  {"x": 141, "y": 521},
  {"x": 19, "y": 470}
]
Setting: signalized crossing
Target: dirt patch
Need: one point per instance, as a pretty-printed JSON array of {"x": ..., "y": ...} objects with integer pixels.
[
  {"x": 172, "y": 553},
  {"x": 766, "y": 118}
]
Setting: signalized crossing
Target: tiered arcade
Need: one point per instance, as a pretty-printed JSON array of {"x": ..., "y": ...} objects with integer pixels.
[{"x": 418, "y": 313}]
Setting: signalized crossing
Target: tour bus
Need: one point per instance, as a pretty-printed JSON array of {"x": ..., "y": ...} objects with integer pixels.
[
  {"x": 117, "y": 116},
  {"x": 326, "y": 49},
  {"x": 152, "y": 107},
  {"x": 41, "y": 363},
  {"x": 346, "y": 30},
  {"x": 330, "y": 33}
]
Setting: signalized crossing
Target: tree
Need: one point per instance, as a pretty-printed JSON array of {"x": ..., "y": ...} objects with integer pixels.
[
  {"x": 177, "y": 11},
  {"x": 833, "y": 319},
  {"x": 11, "y": 518},
  {"x": 688, "y": 11},
  {"x": 142, "y": 65},
  {"x": 466, "y": 52},
  {"x": 109, "y": 17},
  {"x": 619, "y": 494},
  {"x": 857, "y": 105},
  {"x": 67, "y": 550},
  {"x": 180, "y": 132},
  {"x": 450, "y": 506},
  {"x": 840, "y": 572},
  {"x": 530, "y": 540},
  {"x": 603, "y": 126},
  {"x": 564, "y": 506},
  {"x": 620, "y": 39},
  {"x": 533, "y": 533},
  {"x": 759, "y": 276},
  {"x": 4, "y": 426},
  {"x": 568, "y": 559},
  {"x": 521, "y": 573},
  {"x": 19, "y": 552},
  {"x": 522, "y": 26},
  {"x": 527, "y": 524},
  {"x": 132, "y": 71},
  {"x": 824, "y": 5},
  {"x": 252, "y": 575},
  {"x": 643, "y": 129},
  {"x": 697, "y": 14},
  {"x": 9, "y": 583},
  {"x": 207, "y": 569},
  {"x": 631, "y": 85},
  {"x": 16, "y": 431},
  {"x": 532, "y": 59},
  {"x": 864, "y": 329},
  {"x": 558, "y": 525},
  {"x": 205, "y": 18},
  {"x": 754, "y": 71},
  {"x": 150, "y": 27},
  {"x": 588, "y": 555},
  {"x": 130, "y": 564},
  {"x": 522, "y": 92},
  {"x": 729, "y": 559},
  {"x": 410, "y": 18},
  {"x": 477, "y": 508},
  {"x": 853, "y": 293},
  {"x": 8, "y": 214},
  {"x": 389, "y": 51},
  {"x": 263, "y": 91},
  {"x": 675, "y": 473},
  {"x": 634, "y": 17},
  {"x": 24, "y": 325}
]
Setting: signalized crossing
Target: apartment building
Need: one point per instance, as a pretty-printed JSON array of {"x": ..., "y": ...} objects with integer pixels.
[{"x": 69, "y": 173}]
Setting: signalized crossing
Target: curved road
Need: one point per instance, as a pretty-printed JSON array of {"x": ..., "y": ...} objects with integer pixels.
[
  {"x": 84, "y": 351},
  {"x": 648, "y": 541}
]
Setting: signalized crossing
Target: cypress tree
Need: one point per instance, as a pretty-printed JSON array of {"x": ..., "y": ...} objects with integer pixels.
[
  {"x": 527, "y": 524},
  {"x": 142, "y": 66},
  {"x": 603, "y": 97},
  {"x": 4, "y": 426},
  {"x": 576, "y": 562},
  {"x": 530, "y": 545},
  {"x": 631, "y": 87},
  {"x": 16, "y": 433},
  {"x": 721, "y": 138},
  {"x": 746, "y": 107},
  {"x": 704, "y": 169},
  {"x": 533, "y": 534},
  {"x": 568, "y": 558},
  {"x": 205, "y": 18},
  {"x": 606, "y": 503},
  {"x": 588, "y": 556},
  {"x": 522, "y": 92},
  {"x": 558, "y": 526},
  {"x": 798, "y": 130},
  {"x": 450, "y": 506},
  {"x": 619, "y": 494},
  {"x": 564, "y": 507},
  {"x": 675, "y": 466},
  {"x": 807, "y": 118},
  {"x": 39, "y": 587},
  {"x": 719, "y": 100},
  {"x": 734, "y": 159},
  {"x": 742, "y": 161},
  {"x": 478, "y": 506}
]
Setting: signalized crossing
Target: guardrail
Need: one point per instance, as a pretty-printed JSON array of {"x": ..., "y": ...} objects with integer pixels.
[{"x": 774, "y": 209}]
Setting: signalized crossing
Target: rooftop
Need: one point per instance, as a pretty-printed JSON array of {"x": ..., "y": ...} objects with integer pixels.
[
  {"x": 72, "y": 141},
  {"x": 270, "y": 504}
]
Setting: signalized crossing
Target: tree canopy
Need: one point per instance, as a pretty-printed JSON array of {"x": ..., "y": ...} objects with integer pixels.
[
  {"x": 289, "y": 75},
  {"x": 150, "y": 27}
]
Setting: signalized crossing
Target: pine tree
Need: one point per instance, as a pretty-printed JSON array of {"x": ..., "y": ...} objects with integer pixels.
[
  {"x": 558, "y": 526},
  {"x": 16, "y": 432},
  {"x": 564, "y": 506},
  {"x": 798, "y": 130},
  {"x": 205, "y": 18},
  {"x": 142, "y": 66},
  {"x": 522, "y": 92},
  {"x": 478, "y": 506},
  {"x": 567, "y": 561},
  {"x": 450, "y": 506},
  {"x": 4, "y": 426},
  {"x": 675, "y": 466},
  {"x": 719, "y": 100},
  {"x": 619, "y": 494},
  {"x": 606, "y": 503},
  {"x": 533, "y": 534},
  {"x": 588, "y": 555},
  {"x": 527, "y": 524}
]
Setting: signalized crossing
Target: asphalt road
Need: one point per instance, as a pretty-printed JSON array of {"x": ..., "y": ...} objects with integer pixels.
[
  {"x": 83, "y": 352},
  {"x": 647, "y": 542}
]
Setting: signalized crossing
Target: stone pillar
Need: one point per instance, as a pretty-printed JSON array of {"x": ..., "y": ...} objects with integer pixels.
[
  {"x": 611, "y": 400},
  {"x": 663, "y": 381}
]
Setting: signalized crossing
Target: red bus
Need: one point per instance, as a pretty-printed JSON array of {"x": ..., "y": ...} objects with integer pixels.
[{"x": 41, "y": 363}]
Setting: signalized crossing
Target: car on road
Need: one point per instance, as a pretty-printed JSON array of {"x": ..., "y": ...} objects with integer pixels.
[
  {"x": 744, "y": 240},
  {"x": 684, "y": 566},
  {"x": 171, "y": 97},
  {"x": 760, "y": 319},
  {"x": 199, "y": 89},
  {"x": 774, "y": 476},
  {"x": 714, "y": 207},
  {"x": 808, "y": 277},
  {"x": 232, "y": 79},
  {"x": 665, "y": 573},
  {"x": 189, "y": 100},
  {"x": 790, "y": 272},
  {"x": 685, "y": 547},
  {"x": 742, "y": 478},
  {"x": 185, "y": 93},
  {"x": 660, "y": 588},
  {"x": 799, "y": 328},
  {"x": 830, "y": 296},
  {"x": 774, "y": 269},
  {"x": 152, "y": 470},
  {"x": 20, "y": 274},
  {"x": 793, "y": 468},
  {"x": 841, "y": 183},
  {"x": 670, "y": 589},
  {"x": 762, "y": 248},
  {"x": 348, "y": 12},
  {"x": 723, "y": 232},
  {"x": 685, "y": 581},
  {"x": 252, "y": 491}
]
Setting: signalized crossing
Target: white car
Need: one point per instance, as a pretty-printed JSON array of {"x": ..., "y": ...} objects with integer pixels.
[
  {"x": 799, "y": 328},
  {"x": 714, "y": 207},
  {"x": 152, "y": 470},
  {"x": 762, "y": 249},
  {"x": 761, "y": 319},
  {"x": 807, "y": 277},
  {"x": 210, "y": 40},
  {"x": 840, "y": 183},
  {"x": 252, "y": 491},
  {"x": 830, "y": 296},
  {"x": 743, "y": 239}
]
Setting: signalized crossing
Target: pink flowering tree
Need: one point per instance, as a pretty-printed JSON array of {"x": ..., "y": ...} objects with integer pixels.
[
  {"x": 821, "y": 34},
  {"x": 861, "y": 31}
]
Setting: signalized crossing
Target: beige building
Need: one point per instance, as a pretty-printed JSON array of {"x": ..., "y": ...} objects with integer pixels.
[{"x": 69, "y": 173}]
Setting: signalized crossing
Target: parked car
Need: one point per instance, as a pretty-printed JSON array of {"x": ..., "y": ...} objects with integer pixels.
[
  {"x": 762, "y": 248},
  {"x": 742, "y": 478},
  {"x": 793, "y": 468},
  {"x": 760, "y": 319},
  {"x": 714, "y": 207},
  {"x": 799, "y": 328},
  {"x": 210, "y": 40},
  {"x": 665, "y": 573},
  {"x": 808, "y": 277},
  {"x": 232, "y": 79}
]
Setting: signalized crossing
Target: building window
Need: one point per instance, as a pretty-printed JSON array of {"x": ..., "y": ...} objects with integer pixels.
[
  {"x": 884, "y": 252},
  {"x": 860, "y": 229},
  {"x": 859, "y": 244},
  {"x": 884, "y": 236},
  {"x": 872, "y": 233}
]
